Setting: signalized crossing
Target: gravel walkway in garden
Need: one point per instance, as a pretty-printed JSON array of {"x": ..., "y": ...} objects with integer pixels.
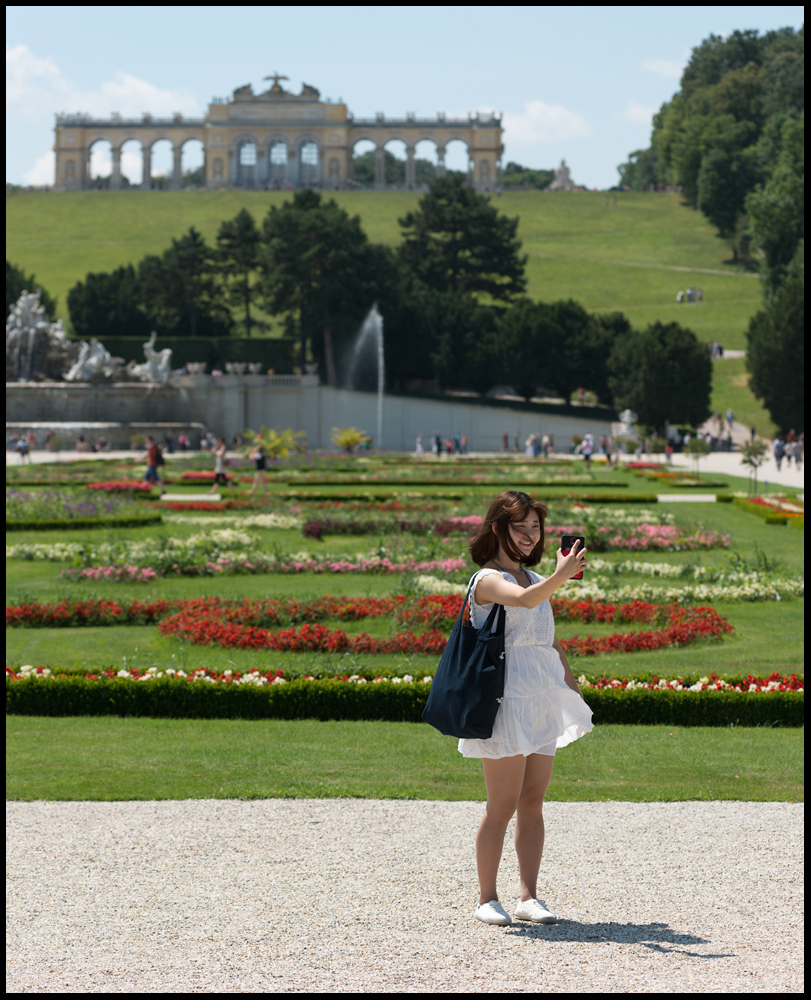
[{"x": 366, "y": 896}]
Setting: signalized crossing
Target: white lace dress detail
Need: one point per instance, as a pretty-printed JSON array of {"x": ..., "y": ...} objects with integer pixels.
[{"x": 539, "y": 710}]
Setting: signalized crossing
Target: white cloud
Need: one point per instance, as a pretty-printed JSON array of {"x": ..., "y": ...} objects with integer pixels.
[
  {"x": 42, "y": 173},
  {"x": 540, "y": 122},
  {"x": 671, "y": 68},
  {"x": 36, "y": 87},
  {"x": 638, "y": 114}
]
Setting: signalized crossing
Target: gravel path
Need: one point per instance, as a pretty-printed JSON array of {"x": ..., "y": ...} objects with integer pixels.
[{"x": 360, "y": 896}]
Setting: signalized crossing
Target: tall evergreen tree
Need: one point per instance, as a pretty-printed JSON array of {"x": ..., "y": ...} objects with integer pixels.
[
  {"x": 238, "y": 251},
  {"x": 180, "y": 291},
  {"x": 456, "y": 241},
  {"x": 775, "y": 354},
  {"x": 318, "y": 263},
  {"x": 18, "y": 282},
  {"x": 105, "y": 305}
]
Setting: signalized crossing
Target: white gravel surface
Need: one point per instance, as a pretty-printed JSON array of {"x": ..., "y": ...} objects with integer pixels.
[{"x": 361, "y": 896}]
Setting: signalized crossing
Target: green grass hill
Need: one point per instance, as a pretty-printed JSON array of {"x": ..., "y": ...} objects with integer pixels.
[{"x": 631, "y": 256}]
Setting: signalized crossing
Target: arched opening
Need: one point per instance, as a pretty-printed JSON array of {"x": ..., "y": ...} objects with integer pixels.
[
  {"x": 132, "y": 163},
  {"x": 192, "y": 164},
  {"x": 161, "y": 164},
  {"x": 394, "y": 165},
  {"x": 363, "y": 164},
  {"x": 485, "y": 178},
  {"x": 246, "y": 163},
  {"x": 457, "y": 158},
  {"x": 333, "y": 167},
  {"x": 277, "y": 167},
  {"x": 101, "y": 164},
  {"x": 308, "y": 165},
  {"x": 425, "y": 163}
]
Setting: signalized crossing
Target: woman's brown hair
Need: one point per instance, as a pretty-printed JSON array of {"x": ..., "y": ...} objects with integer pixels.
[{"x": 506, "y": 507}]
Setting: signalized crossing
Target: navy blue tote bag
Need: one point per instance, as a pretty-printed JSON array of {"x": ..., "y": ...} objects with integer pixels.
[{"x": 469, "y": 682}]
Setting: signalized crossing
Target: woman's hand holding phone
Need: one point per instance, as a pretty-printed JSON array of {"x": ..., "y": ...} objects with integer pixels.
[{"x": 572, "y": 564}]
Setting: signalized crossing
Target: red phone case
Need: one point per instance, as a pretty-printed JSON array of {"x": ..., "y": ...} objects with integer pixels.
[{"x": 569, "y": 540}]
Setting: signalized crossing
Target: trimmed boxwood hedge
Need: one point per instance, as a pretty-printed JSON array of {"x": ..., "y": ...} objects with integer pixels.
[
  {"x": 84, "y": 522},
  {"x": 385, "y": 701}
]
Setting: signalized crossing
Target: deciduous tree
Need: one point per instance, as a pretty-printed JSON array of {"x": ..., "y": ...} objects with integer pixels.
[{"x": 663, "y": 373}]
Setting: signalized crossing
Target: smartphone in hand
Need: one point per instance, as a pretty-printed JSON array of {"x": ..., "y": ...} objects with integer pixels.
[{"x": 566, "y": 546}]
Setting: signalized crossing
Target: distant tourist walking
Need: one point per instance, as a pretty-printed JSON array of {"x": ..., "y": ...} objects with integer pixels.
[
  {"x": 220, "y": 478},
  {"x": 259, "y": 457},
  {"x": 153, "y": 460},
  {"x": 779, "y": 451},
  {"x": 542, "y": 709}
]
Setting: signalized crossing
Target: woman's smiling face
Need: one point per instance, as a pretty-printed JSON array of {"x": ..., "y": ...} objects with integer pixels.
[{"x": 525, "y": 533}]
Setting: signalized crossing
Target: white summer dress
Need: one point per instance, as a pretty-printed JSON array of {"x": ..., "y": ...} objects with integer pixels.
[{"x": 540, "y": 712}]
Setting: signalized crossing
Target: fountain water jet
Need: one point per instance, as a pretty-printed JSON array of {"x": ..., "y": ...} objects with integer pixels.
[{"x": 371, "y": 332}]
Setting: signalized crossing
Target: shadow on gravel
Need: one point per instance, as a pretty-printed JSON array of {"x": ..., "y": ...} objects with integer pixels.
[{"x": 657, "y": 937}]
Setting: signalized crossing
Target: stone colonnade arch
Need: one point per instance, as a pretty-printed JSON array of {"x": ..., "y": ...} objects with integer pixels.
[{"x": 276, "y": 138}]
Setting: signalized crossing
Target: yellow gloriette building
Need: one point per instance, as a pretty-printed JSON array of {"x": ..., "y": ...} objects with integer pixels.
[{"x": 275, "y": 139}]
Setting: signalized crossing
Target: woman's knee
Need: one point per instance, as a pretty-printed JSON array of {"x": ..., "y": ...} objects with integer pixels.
[
  {"x": 500, "y": 811},
  {"x": 530, "y": 804}
]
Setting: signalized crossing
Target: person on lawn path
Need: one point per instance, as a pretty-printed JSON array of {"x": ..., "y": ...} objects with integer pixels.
[{"x": 542, "y": 709}]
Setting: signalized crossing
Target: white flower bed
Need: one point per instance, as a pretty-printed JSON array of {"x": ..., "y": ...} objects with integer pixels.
[{"x": 247, "y": 521}]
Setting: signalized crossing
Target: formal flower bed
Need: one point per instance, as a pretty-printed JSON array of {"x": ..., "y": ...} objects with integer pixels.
[
  {"x": 246, "y": 624},
  {"x": 64, "y": 505},
  {"x": 271, "y": 564},
  {"x": 264, "y": 695},
  {"x": 201, "y": 477},
  {"x": 668, "y": 476},
  {"x": 258, "y": 678},
  {"x": 750, "y": 684},
  {"x": 235, "y": 628},
  {"x": 621, "y": 533},
  {"x": 70, "y": 507},
  {"x": 736, "y": 588},
  {"x": 137, "y": 488},
  {"x": 779, "y": 505},
  {"x": 245, "y": 521},
  {"x": 193, "y": 505}
]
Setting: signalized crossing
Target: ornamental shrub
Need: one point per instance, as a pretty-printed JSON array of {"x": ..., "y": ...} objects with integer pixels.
[{"x": 72, "y": 695}]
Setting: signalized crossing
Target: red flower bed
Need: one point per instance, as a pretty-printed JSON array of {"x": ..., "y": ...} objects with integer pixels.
[
  {"x": 775, "y": 506},
  {"x": 248, "y": 624},
  {"x": 201, "y": 477},
  {"x": 238, "y": 627},
  {"x": 121, "y": 486},
  {"x": 192, "y": 505},
  {"x": 70, "y": 613}
]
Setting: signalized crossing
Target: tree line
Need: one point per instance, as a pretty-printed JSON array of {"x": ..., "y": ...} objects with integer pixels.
[
  {"x": 733, "y": 138},
  {"x": 452, "y": 295}
]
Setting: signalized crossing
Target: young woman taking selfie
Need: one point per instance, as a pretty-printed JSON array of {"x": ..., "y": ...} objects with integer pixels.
[{"x": 542, "y": 709}]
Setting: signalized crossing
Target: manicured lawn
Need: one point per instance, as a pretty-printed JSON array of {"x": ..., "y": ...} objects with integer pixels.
[
  {"x": 111, "y": 758},
  {"x": 632, "y": 257},
  {"x": 121, "y": 758}
]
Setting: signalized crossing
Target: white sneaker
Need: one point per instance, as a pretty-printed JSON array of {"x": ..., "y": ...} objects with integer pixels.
[
  {"x": 534, "y": 910},
  {"x": 492, "y": 913}
]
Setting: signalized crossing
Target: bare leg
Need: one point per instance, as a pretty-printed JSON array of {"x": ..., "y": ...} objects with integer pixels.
[
  {"x": 529, "y": 826},
  {"x": 503, "y": 779}
]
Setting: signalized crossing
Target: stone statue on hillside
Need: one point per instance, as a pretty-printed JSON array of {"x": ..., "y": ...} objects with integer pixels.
[
  {"x": 562, "y": 180},
  {"x": 158, "y": 365},
  {"x": 36, "y": 348}
]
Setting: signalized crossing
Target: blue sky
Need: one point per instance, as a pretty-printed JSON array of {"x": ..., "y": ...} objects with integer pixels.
[{"x": 579, "y": 83}]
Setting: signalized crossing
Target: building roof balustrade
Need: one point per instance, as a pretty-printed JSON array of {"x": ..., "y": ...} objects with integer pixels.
[
  {"x": 423, "y": 122},
  {"x": 86, "y": 121}
]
